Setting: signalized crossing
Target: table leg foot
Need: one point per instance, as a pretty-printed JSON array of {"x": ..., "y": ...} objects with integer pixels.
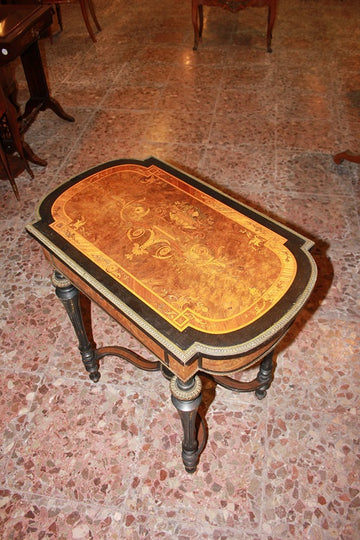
[
  {"x": 55, "y": 106},
  {"x": 34, "y": 105},
  {"x": 264, "y": 375},
  {"x": 30, "y": 156},
  {"x": 349, "y": 156},
  {"x": 69, "y": 296},
  {"x": 186, "y": 398}
]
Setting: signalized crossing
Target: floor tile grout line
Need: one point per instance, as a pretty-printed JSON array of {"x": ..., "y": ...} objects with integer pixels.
[{"x": 86, "y": 125}]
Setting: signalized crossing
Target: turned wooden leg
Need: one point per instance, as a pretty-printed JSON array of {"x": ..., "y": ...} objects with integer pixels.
[
  {"x": 186, "y": 397},
  {"x": 265, "y": 375},
  {"x": 83, "y": 6},
  {"x": 271, "y": 20},
  {"x": 69, "y": 296},
  {"x": 59, "y": 16},
  {"x": 198, "y": 21},
  {"x": 93, "y": 14},
  {"x": 201, "y": 20}
]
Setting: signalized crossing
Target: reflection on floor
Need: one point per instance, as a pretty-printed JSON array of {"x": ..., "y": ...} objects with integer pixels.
[{"x": 83, "y": 461}]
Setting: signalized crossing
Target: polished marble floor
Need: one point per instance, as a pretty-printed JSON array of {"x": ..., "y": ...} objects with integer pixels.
[{"x": 85, "y": 461}]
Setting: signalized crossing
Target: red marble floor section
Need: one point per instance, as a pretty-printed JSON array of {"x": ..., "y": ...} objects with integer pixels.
[{"x": 83, "y": 461}]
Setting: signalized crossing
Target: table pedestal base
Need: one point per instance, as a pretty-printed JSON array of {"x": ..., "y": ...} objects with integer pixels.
[{"x": 40, "y": 98}]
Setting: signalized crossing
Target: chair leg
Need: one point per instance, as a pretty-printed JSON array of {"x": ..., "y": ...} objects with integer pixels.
[
  {"x": 197, "y": 20},
  {"x": 93, "y": 14},
  {"x": 5, "y": 164},
  {"x": 83, "y": 6},
  {"x": 201, "y": 19},
  {"x": 271, "y": 20},
  {"x": 15, "y": 134},
  {"x": 59, "y": 16}
]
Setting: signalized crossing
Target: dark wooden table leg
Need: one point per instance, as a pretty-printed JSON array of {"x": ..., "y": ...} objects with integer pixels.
[
  {"x": 186, "y": 397},
  {"x": 39, "y": 92},
  {"x": 265, "y": 375},
  {"x": 69, "y": 296}
]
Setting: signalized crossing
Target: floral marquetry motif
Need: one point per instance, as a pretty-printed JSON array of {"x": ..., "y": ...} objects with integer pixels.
[{"x": 192, "y": 259}]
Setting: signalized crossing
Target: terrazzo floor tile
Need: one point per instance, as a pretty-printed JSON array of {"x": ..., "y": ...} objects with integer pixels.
[
  {"x": 308, "y": 134},
  {"x": 340, "y": 284},
  {"x": 103, "y": 461},
  {"x": 16, "y": 396},
  {"x": 180, "y": 98},
  {"x": 62, "y": 453},
  {"x": 245, "y": 101},
  {"x": 308, "y": 377},
  {"x": 239, "y": 168},
  {"x": 318, "y": 216},
  {"x": 229, "y": 474},
  {"x": 132, "y": 97},
  {"x": 136, "y": 73},
  {"x": 34, "y": 517},
  {"x": 178, "y": 127},
  {"x": 310, "y": 172},
  {"x": 255, "y": 130},
  {"x": 312, "y": 484},
  {"x": 197, "y": 75},
  {"x": 247, "y": 76}
]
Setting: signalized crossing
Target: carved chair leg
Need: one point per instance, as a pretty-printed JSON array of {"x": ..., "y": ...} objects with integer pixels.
[
  {"x": 69, "y": 296},
  {"x": 186, "y": 397}
]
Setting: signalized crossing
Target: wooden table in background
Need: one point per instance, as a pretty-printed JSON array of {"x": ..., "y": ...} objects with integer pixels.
[
  {"x": 233, "y": 6},
  {"x": 20, "y": 29}
]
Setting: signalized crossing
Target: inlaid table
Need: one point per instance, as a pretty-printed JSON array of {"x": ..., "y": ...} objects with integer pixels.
[{"x": 207, "y": 284}]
